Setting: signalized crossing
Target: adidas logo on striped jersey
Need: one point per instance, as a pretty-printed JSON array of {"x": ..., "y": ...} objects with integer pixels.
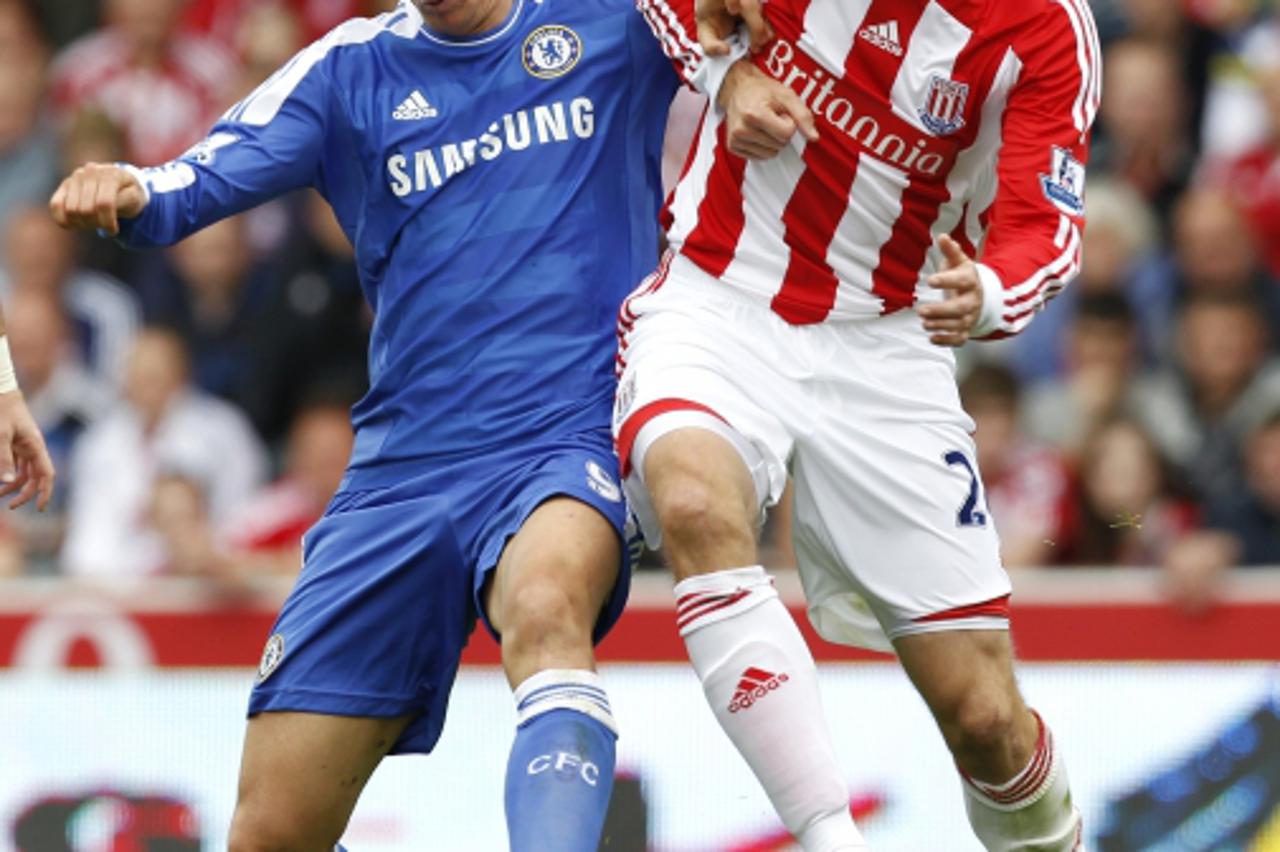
[
  {"x": 753, "y": 685},
  {"x": 414, "y": 108},
  {"x": 883, "y": 36}
]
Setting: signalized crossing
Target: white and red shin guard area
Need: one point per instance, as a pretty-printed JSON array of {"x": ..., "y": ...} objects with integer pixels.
[
  {"x": 1032, "y": 810},
  {"x": 761, "y": 683}
]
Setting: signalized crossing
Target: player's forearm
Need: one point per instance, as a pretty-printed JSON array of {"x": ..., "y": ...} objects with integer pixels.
[
  {"x": 1012, "y": 296},
  {"x": 1033, "y": 244},
  {"x": 186, "y": 195},
  {"x": 1037, "y": 220},
  {"x": 672, "y": 23}
]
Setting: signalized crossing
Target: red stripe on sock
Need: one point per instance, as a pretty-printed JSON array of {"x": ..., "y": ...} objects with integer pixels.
[
  {"x": 687, "y": 620},
  {"x": 688, "y": 603},
  {"x": 1031, "y": 781},
  {"x": 1032, "y": 776}
]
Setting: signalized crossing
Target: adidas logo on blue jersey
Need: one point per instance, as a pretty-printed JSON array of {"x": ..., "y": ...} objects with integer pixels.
[{"x": 415, "y": 108}]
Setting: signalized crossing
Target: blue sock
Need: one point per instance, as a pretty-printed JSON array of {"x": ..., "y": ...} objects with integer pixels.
[{"x": 560, "y": 774}]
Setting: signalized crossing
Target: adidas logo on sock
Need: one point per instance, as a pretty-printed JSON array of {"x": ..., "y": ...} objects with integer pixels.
[
  {"x": 414, "y": 108},
  {"x": 753, "y": 685},
  {"x": 883, "y": 36}
]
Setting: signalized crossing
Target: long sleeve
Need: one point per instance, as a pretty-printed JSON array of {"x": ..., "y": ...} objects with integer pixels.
[
  {"x": 1037, "y": 219},
  {"x": 672, "y": 23},
  {"x": 268, "y": 144}
]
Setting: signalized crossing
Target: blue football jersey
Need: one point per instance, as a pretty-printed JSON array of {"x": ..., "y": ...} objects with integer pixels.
[{"x": 501, "y": 193}]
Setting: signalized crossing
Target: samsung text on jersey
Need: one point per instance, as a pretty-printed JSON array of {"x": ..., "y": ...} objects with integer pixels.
[{"x": 515, "y": 131}]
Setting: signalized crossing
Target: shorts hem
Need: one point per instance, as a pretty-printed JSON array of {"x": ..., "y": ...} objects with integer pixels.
[
  {"x": 917, "y": 628},
  {"x": 333, "y": 704}
]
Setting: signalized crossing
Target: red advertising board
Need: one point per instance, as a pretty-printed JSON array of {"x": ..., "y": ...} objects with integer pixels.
[{"x": 1074, "y": 615}]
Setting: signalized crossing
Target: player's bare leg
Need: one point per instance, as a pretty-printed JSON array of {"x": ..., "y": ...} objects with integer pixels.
[
  {"x": 550, "y": 586},
  {"x": 756, "y": 670},
  {"x": 552, "y": 581},
  {"x": 300, "y": 776},
  {"x": 705, "y": 500},
  {"x": 1016, "y": 789}
]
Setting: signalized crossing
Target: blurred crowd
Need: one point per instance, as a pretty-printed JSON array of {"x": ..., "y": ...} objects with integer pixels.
[
  {"x": 1137, "y": 421},
  {"x": 195, "y": 400}
]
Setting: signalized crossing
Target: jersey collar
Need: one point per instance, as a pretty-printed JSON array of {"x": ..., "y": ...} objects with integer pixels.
[{"x": 489, "y": 37}]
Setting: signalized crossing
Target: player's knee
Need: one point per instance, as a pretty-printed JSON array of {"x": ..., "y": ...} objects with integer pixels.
[
  {"x": 545, "y": 613},
  {"x": 691, "y": 512},
  {"x": 981, "y": 722}
]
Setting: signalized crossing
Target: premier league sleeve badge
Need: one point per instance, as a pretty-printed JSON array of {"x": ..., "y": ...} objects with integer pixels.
[{"x": 1064, "y": 185}]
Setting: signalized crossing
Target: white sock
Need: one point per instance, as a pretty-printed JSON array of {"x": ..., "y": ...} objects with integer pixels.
[
  {"x": 762, "y": 685},
  {"x": 1032, "y": 810}
]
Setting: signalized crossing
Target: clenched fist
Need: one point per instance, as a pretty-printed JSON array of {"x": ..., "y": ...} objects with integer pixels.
[{"x": 97, "y": 195}]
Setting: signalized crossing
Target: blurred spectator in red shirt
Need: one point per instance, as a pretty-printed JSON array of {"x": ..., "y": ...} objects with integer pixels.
[
  {"x": 224, "y": 19},
  {"x": 266, "y": 533},
  {"x": 1125, "y": 515},
  {"x": 64, "y": 399},
  {"x": 162, "y": 86},
  {"x": 1028, "y": 484},
  {"x": 1253, "y": 177},
  {"x": 1101, "y": 346},
  {"x": 104, "y": 313},
  {"x": 28, "y": 147},
  {"x": 1252, "y": 516},
  {"x": 163, "y": 426}
]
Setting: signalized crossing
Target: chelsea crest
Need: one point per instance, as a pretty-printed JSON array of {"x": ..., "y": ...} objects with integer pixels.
[{"x": 551, "y": 51}]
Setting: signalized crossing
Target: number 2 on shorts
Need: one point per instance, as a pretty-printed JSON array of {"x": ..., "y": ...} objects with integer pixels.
[{"x": 969, "y": 515}]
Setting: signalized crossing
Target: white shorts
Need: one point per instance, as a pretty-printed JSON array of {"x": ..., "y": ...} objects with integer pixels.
[{"x": 891, "y": 526}]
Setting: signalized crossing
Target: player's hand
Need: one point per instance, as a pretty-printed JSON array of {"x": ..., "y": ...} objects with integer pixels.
[
  {"x": 950, "y": 321},
  {"x": 762, "y": 114},
  {"x": 97, "y": 195},
  {"x": 25, "y": 467},
  {"x": 718, "y": 19}
]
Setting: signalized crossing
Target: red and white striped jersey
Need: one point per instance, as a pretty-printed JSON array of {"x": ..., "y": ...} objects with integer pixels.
[
  {"x": 967, "y": 117},
  {"x": 163, "y": 109}
]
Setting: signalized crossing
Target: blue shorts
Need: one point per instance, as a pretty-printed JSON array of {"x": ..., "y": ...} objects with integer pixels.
[{"x": 391, "y": 581}]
